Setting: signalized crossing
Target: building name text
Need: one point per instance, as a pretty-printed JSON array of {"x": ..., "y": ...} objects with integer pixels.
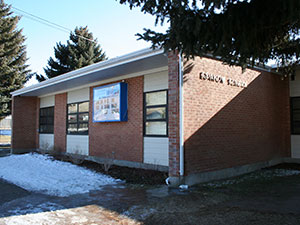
[{"x": 222, "y": 80}]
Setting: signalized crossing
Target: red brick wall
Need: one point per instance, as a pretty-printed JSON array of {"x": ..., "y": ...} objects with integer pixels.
[
  {"x": 121, "y": 140},
  {"x": 226, "y": 126},
  {"x": 173, "y": 111},
  {"x": 60, "y": 115},
  {"x": 24, "y": 122}
]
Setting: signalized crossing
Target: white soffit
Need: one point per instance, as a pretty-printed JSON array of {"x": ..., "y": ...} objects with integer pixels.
[{"x": 138, "y": 61}]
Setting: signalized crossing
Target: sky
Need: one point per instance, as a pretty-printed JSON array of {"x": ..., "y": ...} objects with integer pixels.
[{"x": 113, "y": 24}]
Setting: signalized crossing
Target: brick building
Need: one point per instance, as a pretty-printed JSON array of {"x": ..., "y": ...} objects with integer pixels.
[{"x": 198, "y": 119}]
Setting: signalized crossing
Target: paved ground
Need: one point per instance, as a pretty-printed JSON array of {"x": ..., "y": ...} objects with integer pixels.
[{"x": 257, "y": 200}]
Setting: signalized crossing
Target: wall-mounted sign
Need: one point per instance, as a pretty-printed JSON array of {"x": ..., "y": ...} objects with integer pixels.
[
  {"x": 222, "y": 80},
  {"x": 110, "y": 103}
]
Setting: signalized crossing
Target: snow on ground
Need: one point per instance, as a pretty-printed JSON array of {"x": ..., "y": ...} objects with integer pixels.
[{"x": 41, "y": 173}]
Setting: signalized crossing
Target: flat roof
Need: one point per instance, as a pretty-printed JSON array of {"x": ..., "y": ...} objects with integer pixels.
[{"x": 138, "y": 61}]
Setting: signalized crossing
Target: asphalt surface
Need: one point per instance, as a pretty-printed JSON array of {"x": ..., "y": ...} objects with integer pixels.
[{"x": 260, "y": 201}]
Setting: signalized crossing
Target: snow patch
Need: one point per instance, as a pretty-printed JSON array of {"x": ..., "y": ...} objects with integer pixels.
[{"x": 41, "y": 173}]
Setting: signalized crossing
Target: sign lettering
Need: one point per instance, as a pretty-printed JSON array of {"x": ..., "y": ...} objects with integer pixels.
[{"x": 222, "y": 80}]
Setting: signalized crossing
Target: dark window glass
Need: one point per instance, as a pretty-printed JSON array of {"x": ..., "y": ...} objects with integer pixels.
[
  {"x": 46, "y": 120},
  {"x": 78, "y": 118},
  {"x": 156, "y": 113},
  {"x": 295, "y": 115}
]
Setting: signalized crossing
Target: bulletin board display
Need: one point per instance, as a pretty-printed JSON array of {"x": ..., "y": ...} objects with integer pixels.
[{"x": 110, "y": 103}]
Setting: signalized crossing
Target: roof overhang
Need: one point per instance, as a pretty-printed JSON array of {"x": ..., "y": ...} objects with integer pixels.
[{"x": 133, "y": 63}]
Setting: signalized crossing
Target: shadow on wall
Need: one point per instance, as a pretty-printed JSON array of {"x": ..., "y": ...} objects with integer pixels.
[{"x": 227, "y": 126}]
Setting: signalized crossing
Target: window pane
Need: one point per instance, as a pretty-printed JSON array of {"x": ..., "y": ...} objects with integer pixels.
[
  {"x": 50, "y": 120},
  {"x": 296, "y": 127},
  {"x": 296, "y": 115},
  {"x": 156, "y": 128},
  {"x": 72, "y": 128},
  {"x": 72, "y": 108},
  {"x": 156, "y": 113},
  {"x": 51, "y": 111},
  {"x": 83, "y": 128},
  {"x": 156, "y": 98},
  {"x": 83, "y": 117},
  {"x": 43, "y": 120},
  {"x": 84, "y": 107},
  {"x": 46, "y": 120},
  {"x": 50, "y": 128},
  {"x": 296, "y": 103},
  {"x": 72, "y": 118},
  {"x": 43, "y": 128},
  {"x": 46, "y": 129},
  {"x": 42, "y": 112}
]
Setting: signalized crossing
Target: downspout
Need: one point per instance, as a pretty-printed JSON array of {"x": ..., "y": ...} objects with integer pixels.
[{"x": 181, "y": 138}]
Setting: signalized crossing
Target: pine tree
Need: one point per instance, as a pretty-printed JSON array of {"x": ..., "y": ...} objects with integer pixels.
[
  {"x": 13, "y": 70},
  {"x": 238, "y": 31},
  {"x": 81, "y": 50}
]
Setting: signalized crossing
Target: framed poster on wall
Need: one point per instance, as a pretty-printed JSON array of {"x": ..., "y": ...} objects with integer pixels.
[{"x": 110, "y": 103}]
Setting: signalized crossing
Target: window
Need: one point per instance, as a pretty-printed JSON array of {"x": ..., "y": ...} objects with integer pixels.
[
  {"x": 295, "y": 115},
  {"x": 156, "y": 113},
  {"x": 78, "y": 118},
  {"x": 46, "y": 120}
]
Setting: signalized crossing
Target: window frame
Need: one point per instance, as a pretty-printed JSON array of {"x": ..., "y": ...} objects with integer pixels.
[
  {"x": 292, "y": 115},
  {"x": 155, "y": 120},
  {"x": 40, "y": 124},
  {"x": 77, "y": 113}
]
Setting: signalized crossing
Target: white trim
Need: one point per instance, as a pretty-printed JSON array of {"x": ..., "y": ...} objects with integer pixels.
[
  {"x": 127, "y": 76},
  {"x": 47, "y": 101},
  {"x": 114, "y": 62},
  {"x": 181, "y": 131}
]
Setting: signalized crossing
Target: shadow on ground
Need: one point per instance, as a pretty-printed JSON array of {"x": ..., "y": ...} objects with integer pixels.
[{"x": 259, "y": 200}]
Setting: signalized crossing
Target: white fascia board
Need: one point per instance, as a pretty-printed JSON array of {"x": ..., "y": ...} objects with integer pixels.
[
  {"x": 123, "y": 77},
  {"x": 114, "y": 62}
]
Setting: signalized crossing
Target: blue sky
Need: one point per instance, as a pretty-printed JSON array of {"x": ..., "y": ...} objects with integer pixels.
[{"x": 113, "y": 24}]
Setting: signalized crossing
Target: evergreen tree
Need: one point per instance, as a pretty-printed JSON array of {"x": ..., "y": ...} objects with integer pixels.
[
  {"x": 13, "y": 70},
  {"x": 81, "y": 50},
  {"x": 238, "y": 31}
]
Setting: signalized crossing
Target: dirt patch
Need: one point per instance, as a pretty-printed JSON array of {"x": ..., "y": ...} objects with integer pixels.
[{"x": 129, "y": 175}]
